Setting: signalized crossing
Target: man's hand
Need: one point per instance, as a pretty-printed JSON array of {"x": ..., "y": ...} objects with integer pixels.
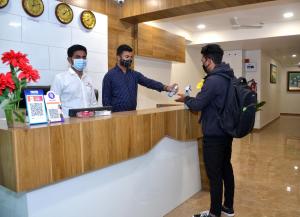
[
  {"x": 169, "y": 88},
  {"x": 181, "y": 97}
]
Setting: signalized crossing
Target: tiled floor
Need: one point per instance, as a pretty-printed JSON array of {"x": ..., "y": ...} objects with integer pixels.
[{"x": 267, "y": 174}]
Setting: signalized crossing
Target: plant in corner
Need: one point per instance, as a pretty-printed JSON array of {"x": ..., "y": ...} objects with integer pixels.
[{"x": 11, "y": 84}]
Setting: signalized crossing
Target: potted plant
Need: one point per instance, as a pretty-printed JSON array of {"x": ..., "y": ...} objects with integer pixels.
[{"x": 11, "y": 84}]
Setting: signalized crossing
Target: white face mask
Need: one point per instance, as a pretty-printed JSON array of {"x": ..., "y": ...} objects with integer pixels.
[{"x": 79, "y": 64}]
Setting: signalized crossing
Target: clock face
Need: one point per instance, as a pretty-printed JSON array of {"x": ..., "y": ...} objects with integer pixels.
[
  {"x": 33, "y": 8},
  {"x": 88, "y": 19},
  {"x": 3, "y": 3},
  {"x": 64, "y": 13}
]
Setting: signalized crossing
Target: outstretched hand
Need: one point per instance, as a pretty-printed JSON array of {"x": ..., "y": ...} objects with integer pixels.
[
  {"x": 169, "y": 88},
  {"x": 181, "y": 97}
]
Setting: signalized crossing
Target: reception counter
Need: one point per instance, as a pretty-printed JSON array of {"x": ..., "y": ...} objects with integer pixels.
[
  {"x": 35, "y": 158},
  {"x": 44, "y": 154}
]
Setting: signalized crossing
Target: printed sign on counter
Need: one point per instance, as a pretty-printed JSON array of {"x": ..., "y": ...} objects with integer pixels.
[
  {"x": 54, "y": 109},
  {"x": 35, "y": 106}
]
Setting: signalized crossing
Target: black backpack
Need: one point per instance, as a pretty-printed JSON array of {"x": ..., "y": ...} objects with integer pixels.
[{"x": 237, "y": 117}]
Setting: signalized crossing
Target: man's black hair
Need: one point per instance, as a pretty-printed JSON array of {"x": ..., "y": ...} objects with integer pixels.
[
  {"x": 122, "y": 48},
  {"x": 214, "y": 52},
  {"x": 75, "y": 48}
]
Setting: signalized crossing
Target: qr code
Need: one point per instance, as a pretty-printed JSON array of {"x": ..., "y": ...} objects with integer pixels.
[
  {"x": 53, "y": 113},
  {"x": 36, "y": 109}
]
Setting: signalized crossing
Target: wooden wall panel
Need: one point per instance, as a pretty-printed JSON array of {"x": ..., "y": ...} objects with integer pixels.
[
  {"x": 157, "y": 43},
  {"x": 97, "y": 139},
  {"x": 119, "y": 148},
  {"x": 194, "y": 129},
  {"x": 66, "y": 151},
  {"x": 7, "y": 160},
  {"x": 171, "y": 124},
  {"x": 158, "y": 123},
  {"x": 139, "y": 11},
  {"x": 33, "y": 157},
  {"x": 183, "y": 130},
  {"x": 119, "y": 32},
  {"x": 140, "y": 135}
]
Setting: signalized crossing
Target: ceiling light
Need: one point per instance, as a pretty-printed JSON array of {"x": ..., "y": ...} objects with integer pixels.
[
  {"x": 288, "y": 14},
  {"x": 201, "y": 26},
  {"x": 288, "y": 189},
  {"x": 296, "y": 167},
  {"x": 294, "y": 55}
]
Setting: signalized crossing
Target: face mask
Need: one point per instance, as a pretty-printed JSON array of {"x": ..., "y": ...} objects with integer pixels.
[
  {"x": 79, "y": 64},
  {"x": 205, "y": 69},
  {"x": 126, "y": 63}
]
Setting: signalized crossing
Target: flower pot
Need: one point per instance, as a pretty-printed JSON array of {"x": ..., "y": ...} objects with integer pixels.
[{"x": 15, "y": 117}]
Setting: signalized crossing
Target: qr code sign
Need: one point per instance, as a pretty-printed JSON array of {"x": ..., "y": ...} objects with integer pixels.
[
  {"x": 53, "y": 113},
  {"x": 36, "y": 109}
]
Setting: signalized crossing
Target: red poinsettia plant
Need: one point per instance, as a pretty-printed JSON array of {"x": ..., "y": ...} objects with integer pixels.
[{"x": 12, "y": 82}]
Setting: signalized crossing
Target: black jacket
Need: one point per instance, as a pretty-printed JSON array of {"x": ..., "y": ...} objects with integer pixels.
[{"x": 210, "y": 100}]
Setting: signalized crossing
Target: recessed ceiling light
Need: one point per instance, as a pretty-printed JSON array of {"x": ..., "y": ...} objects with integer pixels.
[
  {"x": 294, "y": 55},
  {"x": 201, "y": 26},
  {"x": 288, "y": 14}
]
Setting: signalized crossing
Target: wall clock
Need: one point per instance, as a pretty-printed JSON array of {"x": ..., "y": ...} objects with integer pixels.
[
  {"x": 88, "y": 19},
  {"x": 64, "y": 13},
  {"x": 3, "y": 3},
  {"x": 34, "y": 8}
]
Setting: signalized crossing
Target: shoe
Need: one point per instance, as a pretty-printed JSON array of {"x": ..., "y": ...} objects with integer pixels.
[
  {"x": 227, "y": 211},
  {"x": 203, "y": 214}
]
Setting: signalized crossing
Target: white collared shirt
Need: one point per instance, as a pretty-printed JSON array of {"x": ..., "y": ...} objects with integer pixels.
[{"x": 73, "y": 91}]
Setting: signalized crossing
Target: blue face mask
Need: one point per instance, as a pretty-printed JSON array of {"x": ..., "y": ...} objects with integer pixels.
[{"x": 79, "y": 64}]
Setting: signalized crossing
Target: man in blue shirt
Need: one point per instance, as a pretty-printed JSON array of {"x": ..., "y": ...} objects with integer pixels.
[{"x": 120, "y": 84}]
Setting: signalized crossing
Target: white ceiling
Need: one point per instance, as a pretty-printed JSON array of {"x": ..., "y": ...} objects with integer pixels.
[{"x": 279, "y": 48}]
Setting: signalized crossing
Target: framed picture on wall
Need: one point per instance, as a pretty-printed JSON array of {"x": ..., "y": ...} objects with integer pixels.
[
  {"x": 273, "y": 74},
  {"x": 293, "y": 81}
]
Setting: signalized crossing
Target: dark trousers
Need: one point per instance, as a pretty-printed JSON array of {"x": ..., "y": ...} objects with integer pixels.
[{"x": 217, "y": 156}]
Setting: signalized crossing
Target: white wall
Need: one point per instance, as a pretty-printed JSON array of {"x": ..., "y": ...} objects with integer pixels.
[
  {"x": 269, "y": 92},
  {"x": 167, "y": 72},
  {"x": 290, "y": 101},
  {"x": 45, "y": 40},
  {"x": 158, "y": 70},
  {"x": 190, "y": 72},
  {"x": 235, "y": 59},
  {"x": 269, "y": 30}
]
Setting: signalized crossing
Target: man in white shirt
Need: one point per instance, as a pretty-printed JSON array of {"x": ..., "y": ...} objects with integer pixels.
[{"x": 74, "y": 86}]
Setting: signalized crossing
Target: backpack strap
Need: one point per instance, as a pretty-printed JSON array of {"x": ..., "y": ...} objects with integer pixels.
[{"x": 227, "y": 77}]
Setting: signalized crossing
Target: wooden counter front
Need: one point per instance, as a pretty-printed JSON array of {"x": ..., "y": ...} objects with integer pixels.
[{"x": 44, "y": 154}]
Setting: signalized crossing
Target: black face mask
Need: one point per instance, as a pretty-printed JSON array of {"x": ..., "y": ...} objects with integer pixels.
[
  {"x": 205, "y": 69},
  {"x": 126, "y": 63}
]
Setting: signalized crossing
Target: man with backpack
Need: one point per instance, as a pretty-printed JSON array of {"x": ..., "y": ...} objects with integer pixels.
[{"x": 217, "y": 143}]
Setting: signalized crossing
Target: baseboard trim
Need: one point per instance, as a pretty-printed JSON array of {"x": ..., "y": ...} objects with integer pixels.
[
  {"x": 266, "y": 125},
  {"x": 289, "y": 114}
]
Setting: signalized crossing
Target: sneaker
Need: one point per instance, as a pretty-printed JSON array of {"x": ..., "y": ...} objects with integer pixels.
[
  {"x": 203, "y": 214},
  {"x": 227, "y": 211}
]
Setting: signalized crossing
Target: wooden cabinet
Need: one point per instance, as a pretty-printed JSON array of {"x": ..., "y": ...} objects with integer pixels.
[{"x": 157, "y": 43}]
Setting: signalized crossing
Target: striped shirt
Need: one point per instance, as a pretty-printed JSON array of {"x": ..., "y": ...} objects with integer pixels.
[{"x": 119, "y": 89}]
